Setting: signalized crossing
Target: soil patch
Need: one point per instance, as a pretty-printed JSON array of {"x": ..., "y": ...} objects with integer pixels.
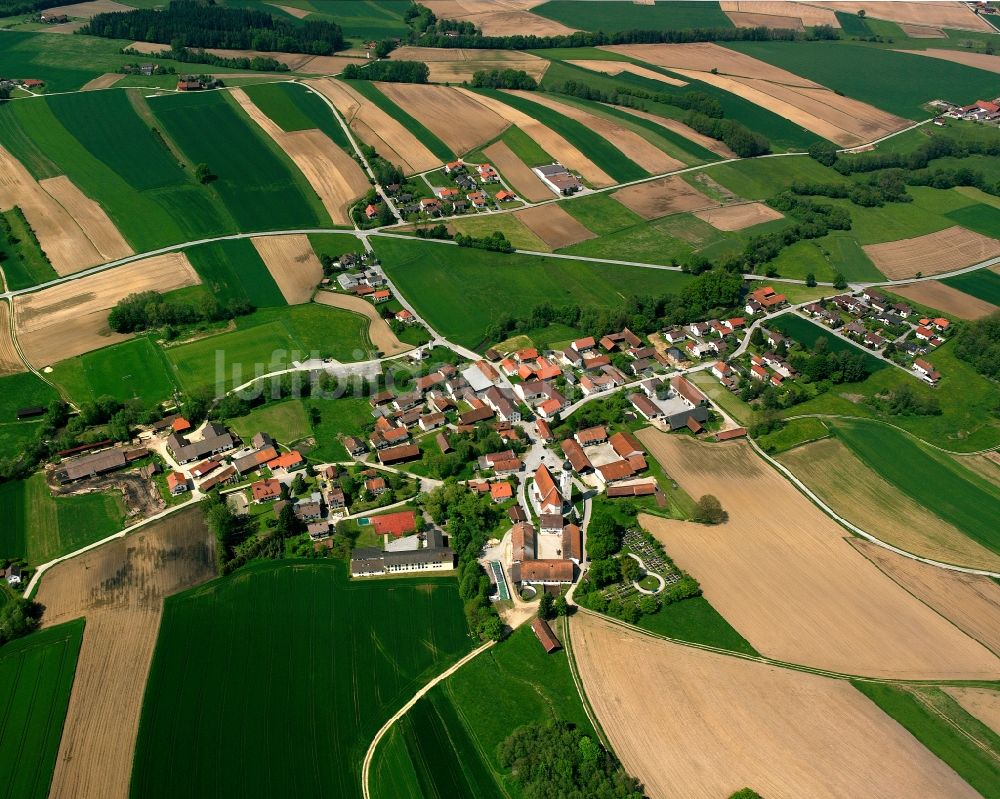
[
  {"x": 292, "y": 263},
  {"x": 982, "y": 703},
  {"x": 701, "y": 725},
  {"x": 10, "y": 362},
  {"x": 91, "y": 218},
  {"x": 944, "y": 251},
  {"x": 953, "y": 302},
  {"x": 379, "y": 332},
  {"x": 782, "y": 574},
  {"x": 738, "y": 217},
  {"x": 662, "y": 197},
  {"x": 747, "y": 19},
  {"x": 298, "y": 13},
  {"x": 923, "y": 32},
  {"x": 935, "y": 14},
  {"x": 72, "y": 318},
  {"x": 104, "y": 81},
  {"x": 89, "y": 9},
  {"x": 553, "y": 225},
  {"x": 525, "y": 182}
]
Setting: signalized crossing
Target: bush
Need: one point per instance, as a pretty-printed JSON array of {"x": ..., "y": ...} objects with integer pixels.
[
  {"x": 392, "y": 71},
  {"x": 709, "y": 510}
]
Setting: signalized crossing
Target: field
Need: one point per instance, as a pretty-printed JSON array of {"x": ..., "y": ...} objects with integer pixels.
[
  {"x": 984, "y": 284},
  {"x": 671, "y": 711},
  {"x": 553, "y": 225},
  {"x": 777, "y": 572},
  {"x": 601, "y": 214},
  {"x": 738, "y": 217},
  {"x": 510, "y": 225},
  {"x": 944, "y": 251},
  {"x": 10, "y": 362},
  {"x": 337, "y": 417},
  {"x": 24, "y": 263},
  {"x": 949, "y": 298},
  {"x": 36, "y": 675},
  {"x": 374, "y": 94},
  {"x": 661, "y": 197},
  {"x": 334, "y": 176},
  {"x": 970, "y": 602},
  {"x": 134, "y": 369},
  {"x": 375, "y": 127},
  {"x": 379, "y": 333},
  {"x": 807, "y": 333},
  {"x": 286, "y": 421},
  {"x": 792, "y": 434},
  {"x": 460, "y": 296},
  {"x": 612, "y": 16},
  {"x": 696, "y": 620},
  {"x": 948, "y": 15},
  {"x": 292, "y": 263},
  {"x": 89, "y": 216},
  {"x": 323, "y": 684},
  {"x": 209, "y": 128},
  {"x": 957, "y": 495},
  {"x": 713, "y": 147},
  {"x": 233, "y": 270},
  {"x": 72, "y": 318},
  {"x": 525, "y": 182},
  {"x": 856, "y": 491},
  {"x": 293, "y": 106},
  {"x": 977, "y": 60},
  {"x": 451, "y": 65},
  {"x": 22, "y": 390},
  {"x": 512, "y": 18},
  {"x": 983, "y": 703},
  {"x": 267, "y": 341},
  {"x": 119, "y": 588}
]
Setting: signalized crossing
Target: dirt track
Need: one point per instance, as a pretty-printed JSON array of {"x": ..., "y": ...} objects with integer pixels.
[
  {"x": 738, "y": 217},
  {"x": 782, "y": 574},
  {"x": 662, "y": 197},
  {"x": 951, "y": 301},
  {"x": 518, "y": 174},
  {"x": 553, "y": 225},
  {"x": 944, "y": 251},
  {"x": 698, "y": 725},
  {"x": 292, "y": 263},
  {"x": 379, "y": 332}
]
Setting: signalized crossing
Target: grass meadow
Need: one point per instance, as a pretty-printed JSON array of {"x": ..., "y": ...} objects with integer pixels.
[
  {"x": 370, "y": 90},
  {"x": 24, "y": 263},
  {"x": 21, "y": 391},
  {"x": 36, "y": 677},
  {"x": 460, "y": 294},
  {"x": 696, "y": 620},
  {"x": 134, "y": 369},
  {"x": 233, "y": 270},
  {"x": 983, "y": 284},
  {"x": 980, "y": 217},
  {"x": 287, "y": 698},
  {"x": 601, "y": 213},
  {"x": 287, "y": 421},
  {"x": 792, "y": 434},
  {"x": 611, "y": 16},
  {"x": 807, "y": 333},
  {"x": 293, "y": 106}
]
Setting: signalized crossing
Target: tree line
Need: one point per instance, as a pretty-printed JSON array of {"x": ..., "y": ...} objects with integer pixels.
[
  {"x": 495, "y": 242},
  {"x": 736, "y": 136},
  {"x": 148, "y": 310},
  {"x": 178, "y": 52},
  {"x": 194, "y": 24},
  {"x": 503, "y": 79},
  {"x": 978, "y": 343},
  {"x": 391, "y": 71}
]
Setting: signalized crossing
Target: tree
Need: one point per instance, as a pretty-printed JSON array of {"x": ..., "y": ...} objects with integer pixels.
[
  {"x": 203, "y": 174},
  {"x": 825, "y": 152},
  {"x": 18, "y": 617},
  {"x": 603, "y": 537},
  {"x": 546, "y": 606},
  {"x": 757, "y": 337},
  {"x": 840, "y": 282},
  {"x": 861, "y": 13},
  {"x": 298, "y": 484},
  {"x": 562, "y": 606},
  {"x": 709, "y": 510},
  {"x": 630, "y": 569},
  {"x": 604, "y": 572},
  {"x": 810, "y": 279}
]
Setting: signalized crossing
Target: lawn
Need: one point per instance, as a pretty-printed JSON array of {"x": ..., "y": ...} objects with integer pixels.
[
  {"x": 461, "y": 292},
  {"x": 370, "y": 90},
  {"x": 21, "y": 391},
  {"x": 286, "y": 421},
  {"x": 346, "y": 416},
  {"x": 322, "y": 661},
  {"x": 763, "y": 178},
  {"x": 36, "y": 677},
  {"x": 134, "y": 369},
  {"x": 334, "y": 244},
  {"x": 983, "y": 283},
  {"x": 963, "y": 742},
  {"x": 793, "y": 433},
  {"x": 269, "y": 340},
  {"x": 233, "y": 270},
  {"x": 956, "y": 494},
  {"x": 697, "y": 621},
  {"x": 807, "y": 333},
  {"x": 293, "y": 106},
  {"x": 260, "y": 186},
  {"x": 612, "y": 16},
  {"x": 598, "y": 149}
]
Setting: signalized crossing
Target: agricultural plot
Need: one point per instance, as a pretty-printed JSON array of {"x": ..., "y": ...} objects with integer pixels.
[
  {"x": 611, "y": 17},
  {"x": 601, "y": 214},
  {"x": 517, "y": 233},
  {"x": 609, "y": 67},
  {"x": 983, "y": 703},
  {"x": 553, "y": 225},
  {"x": 374, "y": 94},
  {"x": 286, "y": 421},
  {"x": 808, "y": 333},
  {"x": 976, "y": 60},
  {"x": 233, "y": 270},
  {"x": 514, "y": 17},
  {"x": 945, "y": 296},
  {"x": 293, "y": 106},
  {"x": 380, "y": 334},
  {"x": 825, "y": 258},
  {"x": 10, "y": 361},
  {"x": 72, "y": 318},
  {"x": 36, "y": 676},
  {"x": 983, "y": 284},
  {"x": 89, "y": 216},
  {"x": 858, "y": 493},
  {"x": 453, "y": 65},
  {"x": 933, "y": 254},
  {"x": 777, "y": 571},
  {"x": 21, "y": 391},
  {"x": 325, "y": 683},
  {"x": 517, "y": 173},
  {"x": 662, "y": 197},
  {"x": 292, "y": 263},
  {"x": 946, "y": 15},
  {"x": 261, "y": 188},
  {"x": 669, "y": 711},
  {"x": 712, "y": 147},
  {"x": 132, "y": 370},
  {"x": 460, "y": 297},
  {"x": 738, "y": 217}
]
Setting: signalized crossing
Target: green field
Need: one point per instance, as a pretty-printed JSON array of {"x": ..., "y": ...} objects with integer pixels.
[
  {"x": 696, "y": 620},
  {"x": 936, "y": 720},
  {"x": 429, "y": 140},
  {"x": 460, "y": 295},
  {"x": 611, "y": 17},
  {"x": 853, "y": 25},
  {"x": 514, "y": 229},
  {"x": 741, "y": 412},
  {"x": 363, "y": 19},
  {"x": 936, "y": 481},
  {"x": 825, "y": 257},
  {"x": 981, "y": 218},
  {"x": 793, "y": 433},
  {"x": 763, "y": 178},
  {"x": 258, "y": 183},
  {"x": 807, "y": 333},
  {"x": 233, "y": 270},
  {"x": 293, "y": 106},
  {"x": 601, "y": 213},
  {"x": 983, "y": 283},
  {"x": 286, "y": 421},
  {"x": 36, "y": 677},
  {"x": 134, "y": 369},
  {"x": 21, "y": 391},
  {"x": 322, "y": 662},
  {"x": 41, "y": 527},
  {"x": 23, "y": 262}
]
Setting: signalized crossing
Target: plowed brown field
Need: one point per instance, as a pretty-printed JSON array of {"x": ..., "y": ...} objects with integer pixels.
[
  {"x": 379, "y": 332},
  {"x": 553, "y": 225},
  {"x": 292, "y": 263},
  {"x": 747, "y": 19},
  {"x": 978, "y": 60},
  {"x": 499, "y": 17},
  {"x": 806, "y": 13},
  {"x": 935, "y": 294},
  {"x": 982, "y": 703},
  {"x": 660, "y": 197},
  {"x": 700, "y": 725},
  {"x": 104, "y": 81},
  {"x": 525, "y": 182},
  {"x": 89, "y": 216},
  {"x": 738, "y": 217},
  {"x": 782, "y": 574},
  {"x": 680, "y": 128},
  {"x": 923, "y": 32},
  {"x": 924, "y": 12},
  {"x": 944, "y": 251},
  {"x": 10, "y": 363}
]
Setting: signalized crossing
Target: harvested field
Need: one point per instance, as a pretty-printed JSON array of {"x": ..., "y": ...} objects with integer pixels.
[
  {"x": 986, "y": 465},
  {"x": 706, "y": 56},
  {"x": 953, "y": 302},
  {"x": 921, "y": 12},
  {"x": 61, "y": 238},
  {"x": 298, "y": 13},
  {"x": 983, "y": 703},
  {"x": 923, "y": 32},
  {"x": 72, "y": 318},
  {"x": 10, "y": 363},
  {"x": 89, "y": 216},
  {"x": 977, "y": 60},
  {"x": 89, "y": 9},
  {"x": 782, "y": 574},
  {"x": 701, "y": 725},
  {"x": 737, "y": 217},
  {"x": 970, "y": 602},
  {"x": 454, "y": 65},
  {"x": 296, "y": 62},
  {"x": 944, "y": 251},
  {"x": 863, "y": 497},
  {"x": 627, "y": 142},
  {"x": 292, "y": 263},
  {"x": 681, "y": 129},
  {"x": 806, "y": 13},
  {"x": 662, "y": 197},
  {"x": 525, "y": 182},
  {"x": 376, "y": 128},
  {"x": 335, "y": 177},
  {"x": 550, "y": 141},
  {"x": 379, "y": 332},
  {"x": 747, "y": 19},
  {"x": 329, "y": 64},
  {"x": 104, "y": 81},
  {"x": 499, "y": 17},
  {"x": 119, "y": 587},
  {"x": 440, "y": 108},
  {"x": 617, "y": 67},
  {"x": 553, "y": 225}
]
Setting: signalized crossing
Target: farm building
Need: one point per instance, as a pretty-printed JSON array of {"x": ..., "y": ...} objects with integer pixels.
[
  {"x": 215, "y": 439},
  {"x": 558, "y": 179},
  {"x": 545, "y": 635},
  {"x": 102, "y": 462},
  {"x": 547, "y": 572}
]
